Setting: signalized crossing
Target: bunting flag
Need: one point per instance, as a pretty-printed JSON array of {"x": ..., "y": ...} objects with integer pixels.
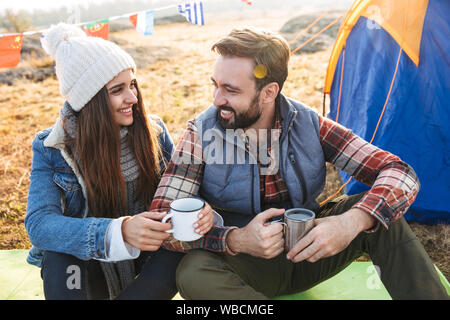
[
  {"x": 11, "y": 44},
  {"x": 10, "y": 47},
  {"x": 143, "y": 22},
  {"x": 193, "y": 12},
  {"x": 98, "y": 29}
]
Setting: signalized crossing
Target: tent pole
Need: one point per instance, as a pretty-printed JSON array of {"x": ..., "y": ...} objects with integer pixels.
[{"x": 323, "y": 104}]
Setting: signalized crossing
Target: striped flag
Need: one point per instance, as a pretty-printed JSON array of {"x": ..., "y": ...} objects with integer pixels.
[
  {"x": 143, "y": 22},
  {"x": 10, "y": 47},
  {"x": 249, "y": 2},
  {"x": 98, "y": 29},
  {"x": 193, "y": 12}
]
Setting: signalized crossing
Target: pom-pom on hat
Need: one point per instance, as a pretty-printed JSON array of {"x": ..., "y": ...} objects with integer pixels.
[{"x": 84, "y": 65}]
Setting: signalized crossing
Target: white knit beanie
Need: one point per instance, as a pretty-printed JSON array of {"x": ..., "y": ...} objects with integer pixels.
[{"x": 84, "y": 64}]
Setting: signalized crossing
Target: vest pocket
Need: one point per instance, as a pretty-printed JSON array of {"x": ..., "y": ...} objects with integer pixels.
[{"x": 228, "y": 187}]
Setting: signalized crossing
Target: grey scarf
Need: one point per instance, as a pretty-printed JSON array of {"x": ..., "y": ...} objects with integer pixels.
[{"x": 120, "y": 274}]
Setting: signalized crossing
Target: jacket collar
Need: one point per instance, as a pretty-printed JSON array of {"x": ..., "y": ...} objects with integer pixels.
[
  {"x": 55, "y": 139},
  {"x": 288, "y": 114}
]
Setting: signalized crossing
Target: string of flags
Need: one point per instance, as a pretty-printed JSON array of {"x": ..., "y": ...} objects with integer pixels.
[
  {"x": 98, "y": 29},
  {"x": 193, "y": 12},
  {"x": 10, "y": 46},
  {"x": 143, "y": 22}
]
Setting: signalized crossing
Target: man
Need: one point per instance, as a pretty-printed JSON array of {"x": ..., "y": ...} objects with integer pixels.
[{"x": 255, "y": 153}]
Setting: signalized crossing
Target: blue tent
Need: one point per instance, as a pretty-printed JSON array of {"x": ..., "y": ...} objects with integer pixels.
[{"x": 395, "y": 89}]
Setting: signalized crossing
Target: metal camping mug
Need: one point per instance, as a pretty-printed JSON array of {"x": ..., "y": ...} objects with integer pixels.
[{"x": 297, "y": 223}]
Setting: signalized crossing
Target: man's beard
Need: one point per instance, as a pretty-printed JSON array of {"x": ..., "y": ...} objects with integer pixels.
[{"x": 243, "y": 120}]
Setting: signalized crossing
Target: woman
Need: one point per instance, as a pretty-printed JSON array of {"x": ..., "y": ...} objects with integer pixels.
[{"x": 94, "y": 174}]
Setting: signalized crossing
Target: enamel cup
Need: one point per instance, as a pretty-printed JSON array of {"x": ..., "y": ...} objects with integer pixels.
[{"x": 183, "y": 214}]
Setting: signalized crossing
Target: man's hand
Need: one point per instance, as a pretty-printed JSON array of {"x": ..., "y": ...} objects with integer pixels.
[
  {"x": 259, "y": 238},
  {"x": 330, "y": 236}
]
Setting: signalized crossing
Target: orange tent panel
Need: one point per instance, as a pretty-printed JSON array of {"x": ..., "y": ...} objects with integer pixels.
[{"x": 402, "y": 19}]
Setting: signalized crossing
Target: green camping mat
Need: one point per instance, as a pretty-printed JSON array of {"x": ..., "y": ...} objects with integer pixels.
[
  {"x": 18, "y": 279},
  {"x": 21, "y": 281}
]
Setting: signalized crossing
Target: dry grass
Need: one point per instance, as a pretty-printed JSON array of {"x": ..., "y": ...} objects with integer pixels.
[{"x": 175, "y": 88}]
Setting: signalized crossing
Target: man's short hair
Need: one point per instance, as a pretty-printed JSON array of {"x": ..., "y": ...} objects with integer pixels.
[{"x": 269, "y": 51}]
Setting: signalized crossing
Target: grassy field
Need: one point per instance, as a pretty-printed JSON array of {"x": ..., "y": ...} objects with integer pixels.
[{"x": 174, "y": 67}]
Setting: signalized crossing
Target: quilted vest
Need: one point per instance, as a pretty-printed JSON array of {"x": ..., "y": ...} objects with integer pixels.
[{"x": 231, "y": 178}]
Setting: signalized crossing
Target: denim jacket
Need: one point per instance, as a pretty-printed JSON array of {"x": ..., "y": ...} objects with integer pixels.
[{"x": 57, "y": 211}]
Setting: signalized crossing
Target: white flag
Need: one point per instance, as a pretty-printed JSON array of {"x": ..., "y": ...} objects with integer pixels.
[{"x": 193, "y": 12}]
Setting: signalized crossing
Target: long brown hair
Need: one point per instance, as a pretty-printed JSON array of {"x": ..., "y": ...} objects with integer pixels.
[{"x": 97, "y": 150}]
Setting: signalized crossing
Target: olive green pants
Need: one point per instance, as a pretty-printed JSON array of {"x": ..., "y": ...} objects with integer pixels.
[{"x": 405, "y": 268}]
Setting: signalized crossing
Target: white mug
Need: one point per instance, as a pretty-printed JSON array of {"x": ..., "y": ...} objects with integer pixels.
[{"x": 184, "y": 214}]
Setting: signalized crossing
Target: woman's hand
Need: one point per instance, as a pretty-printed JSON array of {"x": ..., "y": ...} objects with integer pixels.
[
  {"x": 206, "y": 220},
  {"x": 144, "y": 232}
]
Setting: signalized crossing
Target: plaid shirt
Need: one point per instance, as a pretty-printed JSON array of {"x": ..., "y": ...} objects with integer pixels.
[
  {"x": 272, "y": 188},
  {"x": 394, "y": 183}
]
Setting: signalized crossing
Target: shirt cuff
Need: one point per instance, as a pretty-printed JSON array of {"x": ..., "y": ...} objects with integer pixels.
[
  {"x": 116, "y": 248},
  {"x": 377, "y": 224}
]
